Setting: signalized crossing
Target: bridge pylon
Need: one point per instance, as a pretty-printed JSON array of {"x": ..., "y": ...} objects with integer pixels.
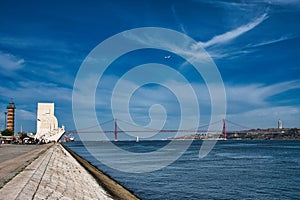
[
  {"x": 116, "y": 130},
  {"x": 224, "y": 129}
]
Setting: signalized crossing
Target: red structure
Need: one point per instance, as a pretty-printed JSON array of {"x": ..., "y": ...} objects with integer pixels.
[
  {"x": 224, "y": 129},
  {"x": 116, "y": 130},
  {"x": 198, "y": 130}
]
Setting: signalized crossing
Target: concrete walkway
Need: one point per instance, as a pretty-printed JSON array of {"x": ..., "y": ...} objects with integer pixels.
[
  {"x": 53, "y": 175},
  {"x": 14, "y": 158}
]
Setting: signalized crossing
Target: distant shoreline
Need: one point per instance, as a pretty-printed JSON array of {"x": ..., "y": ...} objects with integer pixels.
[{"x": 253, "y": 134}]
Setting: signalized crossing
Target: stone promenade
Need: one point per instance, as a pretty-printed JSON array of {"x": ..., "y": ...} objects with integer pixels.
[
  {"x": 55, "y": 174},
  {"x": 14, "y": 158}
]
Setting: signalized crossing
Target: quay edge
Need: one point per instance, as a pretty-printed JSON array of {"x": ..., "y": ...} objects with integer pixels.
[{"x": 116, "y": 190}]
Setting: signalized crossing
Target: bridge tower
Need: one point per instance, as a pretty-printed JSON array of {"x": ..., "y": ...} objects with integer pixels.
[
  {"x": 116, "y": 130},
  {"x": 224, "y": 129}
]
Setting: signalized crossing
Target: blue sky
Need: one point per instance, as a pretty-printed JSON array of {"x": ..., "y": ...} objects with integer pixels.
[{"x": 253, "y": 43}]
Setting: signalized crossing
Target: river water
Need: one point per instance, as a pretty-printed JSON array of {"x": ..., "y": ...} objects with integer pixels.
[{"x": 232, "y": 170}]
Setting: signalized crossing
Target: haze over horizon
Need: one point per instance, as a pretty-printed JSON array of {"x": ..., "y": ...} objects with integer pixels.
[{"x": 254, "y": 44}]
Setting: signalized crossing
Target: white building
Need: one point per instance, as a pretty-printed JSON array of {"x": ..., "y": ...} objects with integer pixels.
[{"x": 47, "y": 124}]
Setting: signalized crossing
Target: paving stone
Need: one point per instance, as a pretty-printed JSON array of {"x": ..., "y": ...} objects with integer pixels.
[{"x": 54, "y": 175}]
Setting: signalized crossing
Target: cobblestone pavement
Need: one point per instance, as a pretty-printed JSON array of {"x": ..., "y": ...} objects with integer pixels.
[{"x": 54, "y": 175}]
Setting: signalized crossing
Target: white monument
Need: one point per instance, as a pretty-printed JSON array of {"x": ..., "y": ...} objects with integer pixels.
[{"x": 47, "y": 124}]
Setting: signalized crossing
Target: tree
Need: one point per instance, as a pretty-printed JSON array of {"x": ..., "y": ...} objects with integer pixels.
[
  {"x": 22, "y": 135},
  {"x": 7, "y": 132}
]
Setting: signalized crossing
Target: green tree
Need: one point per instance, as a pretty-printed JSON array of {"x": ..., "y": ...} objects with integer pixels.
[
  {"x": 22, "y": 135},
  {"x": 7, "y": 132}
]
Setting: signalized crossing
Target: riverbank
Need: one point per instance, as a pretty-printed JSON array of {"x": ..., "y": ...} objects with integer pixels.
[
  {"x": 55, "y": 174},
  {"x": 116, "y": 190}
]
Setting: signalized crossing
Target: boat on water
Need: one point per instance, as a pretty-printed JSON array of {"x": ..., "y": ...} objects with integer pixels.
[
  {"x": 47, "y": 124},
  {"x": 137, "y": 139},
  {"x": 68, "y": 138}
]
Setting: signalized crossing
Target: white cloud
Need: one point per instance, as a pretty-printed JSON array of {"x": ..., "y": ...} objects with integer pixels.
[
  {"x": 25, "y": 114},
  {"x": 31, "y": 91},
  {"x": 268, "y": 42},
  {"x": 194, "y": 50},
  {"x": 250, "y": 104},
  {"x": 145, "y": 97},
  {"x": 39, "y": 43},
  {"x": 231, "y": 35},
  {"x": 254, "y": 4},
  {"x": 242, "y": 98},
  {"x": 181, "y": 26},
  {"x": 232, "y": 52},
  {"x": 284, "y": 2},
  {"x": 26, "y": 96},
  {"x": 266, "y": 117},
  {"x": 9, "y": 62},
  {"x": 140, "y": 102}
]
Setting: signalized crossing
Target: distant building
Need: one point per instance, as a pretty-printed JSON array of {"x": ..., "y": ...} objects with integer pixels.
[
  {"x": 10, "y": 124},
  {"x": 47, "y": 124},
  {"x": 279, "y": 124}
]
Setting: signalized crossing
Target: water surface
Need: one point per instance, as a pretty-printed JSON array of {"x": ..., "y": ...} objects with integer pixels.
[{"x": 232, "y": 170}]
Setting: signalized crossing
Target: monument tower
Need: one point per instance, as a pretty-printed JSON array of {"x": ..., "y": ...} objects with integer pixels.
[{"x": 47, "y": 124}]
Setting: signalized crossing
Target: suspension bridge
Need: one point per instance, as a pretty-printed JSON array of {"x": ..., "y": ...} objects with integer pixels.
[{"x": 199, "y": 130}]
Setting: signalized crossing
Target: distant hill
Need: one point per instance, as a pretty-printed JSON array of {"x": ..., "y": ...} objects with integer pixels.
[{"x": 253, "y": 134}]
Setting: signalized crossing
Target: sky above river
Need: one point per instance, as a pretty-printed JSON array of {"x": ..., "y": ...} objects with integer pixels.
[{"x": 254, "y": 45}]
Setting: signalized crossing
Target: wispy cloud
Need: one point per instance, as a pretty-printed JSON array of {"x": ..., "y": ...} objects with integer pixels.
[
  {"x": 32, "y": 91},
  {"x": 246, "y": 97},
  {"x": 241, "y": 100},
  {"x": 284, "y": 2},
  {"x": 25, "y": 114},
  {"x": 213, "y": 46},
  {"x": 42, "y": 44},
  {"x": 142, "y": 100},
  {"x": 26, "y": 93},
  {"x": 17, "y": 67},
  {"x": 231, "y": 35},
  {"x": 268, "y": 42},
  {"x": 266, "y": 117},
  {"x": 255, "y": 105},
  {"x": 181, "y": 26},
  {"x": 246, "y": 5},
  {"x": 10, "y": 62}
]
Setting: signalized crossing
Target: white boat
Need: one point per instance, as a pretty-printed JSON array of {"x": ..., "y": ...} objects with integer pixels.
[{"x": 137, "y": 139}]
